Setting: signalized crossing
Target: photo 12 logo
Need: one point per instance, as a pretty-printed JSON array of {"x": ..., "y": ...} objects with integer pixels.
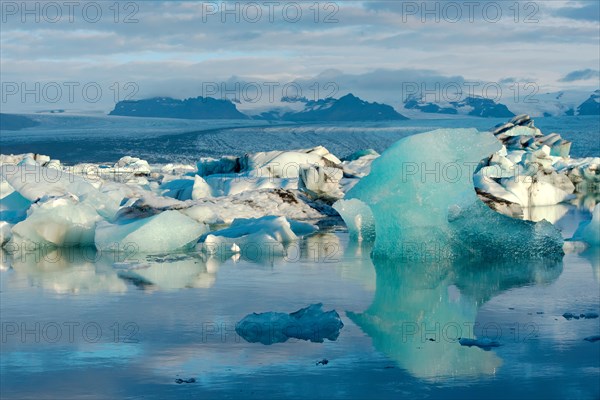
[
  {"x": 68, "y": 332},
  {"x": 69, "y": 92},
  {"x": 253, "y": 12},
  {"x": 269, "y": 92},
  {"x": 469, "y": 11},
  {"x": 53, "y": 12}
]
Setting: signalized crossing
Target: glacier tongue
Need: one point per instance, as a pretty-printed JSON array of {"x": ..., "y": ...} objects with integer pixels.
[{"x": 420, "y": 192}]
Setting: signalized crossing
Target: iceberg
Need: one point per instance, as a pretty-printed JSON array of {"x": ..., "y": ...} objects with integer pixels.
[
  {"x": 168, "y": 231},
  {"x": 58, "y": 221},
  {"x": 321, "y": 182},
  {"x": 269, "y": 233},
  {"x": 310, "y": 323},
  {"x": 34, "y": 183},
  {"x": 13, "y": 206},
  {"x": 420, "y": 193},
  {"x": 133, "y": 165},
  {"x": 5, "y": 232},
  {"x": 358, "y": 218}
]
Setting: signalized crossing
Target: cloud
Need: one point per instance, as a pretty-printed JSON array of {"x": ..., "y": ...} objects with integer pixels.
[
  {"x": 581, "y": 75},
  {"x": 175, "y": 46},
  {"x": 587, "y": 12}
]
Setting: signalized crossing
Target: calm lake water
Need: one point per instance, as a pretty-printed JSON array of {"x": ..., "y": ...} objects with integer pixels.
[{"x": 74, "y": 325}]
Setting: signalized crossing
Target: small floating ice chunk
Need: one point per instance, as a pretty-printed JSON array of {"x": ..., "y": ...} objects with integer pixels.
[
  {"x": 164, "y": 232},
  {"x": 321, "y": 182},
  {"x": 484, "y": 343},
  {"x": 310, "y": 323},
  {"x": 589, "y": 315},
  {"x": 133, "y": 165},
  {"x": 269, "y": 232}
]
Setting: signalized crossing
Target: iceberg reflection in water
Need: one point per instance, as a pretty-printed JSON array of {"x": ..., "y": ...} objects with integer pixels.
[
  {"x": 184, "y": 308},
  {"x": 421, "y": 309}
]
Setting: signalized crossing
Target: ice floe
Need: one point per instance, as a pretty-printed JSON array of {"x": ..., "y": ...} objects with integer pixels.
[
  {"x": 484, "y": 343},
  {"x": 164, "y": 232},
  {"x": 310, "y": 323},
  {"x": 270, "y": 233}
]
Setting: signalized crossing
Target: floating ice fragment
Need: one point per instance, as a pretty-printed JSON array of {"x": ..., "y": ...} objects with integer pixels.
[
  {"x": 164, "y": 232},
  {"x": 266, "y": 233},
  {"x": 484, "y": 343},
  {"x": 310, "y": 323},
  {"x": 58, "y": 221},
  {"x": 588, "y": 315}
]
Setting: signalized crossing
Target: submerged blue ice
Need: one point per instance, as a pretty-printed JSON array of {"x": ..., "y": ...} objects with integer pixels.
[
  {"x": 422, "y": 203},
  {"x": 310, "y": 323}
]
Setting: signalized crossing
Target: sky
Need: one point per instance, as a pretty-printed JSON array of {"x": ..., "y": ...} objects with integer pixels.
[{"x": 87, "y": 55}]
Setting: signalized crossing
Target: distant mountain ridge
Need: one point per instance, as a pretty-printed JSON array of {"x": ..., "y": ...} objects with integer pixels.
[
  {"x": 346, "y": 108},
  {"x": 472, "y": 106},
  {"x": 591, "y": 106},
  {"x": 352, "y": 108},
  {"x": 167, "y": 107},
  {"x": 551, "y": 104}
]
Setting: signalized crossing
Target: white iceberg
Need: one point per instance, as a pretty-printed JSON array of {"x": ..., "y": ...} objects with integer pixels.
[
  {"x": 133, "y": 165},
  {"x": 5, "y": 232},
  {"x": 321, "y": 182},
  {"x": 58, "y": 221},
  {"x": 164, "y": 232},
  {"x": 250, "y": 204},
  {"x": 269, "y": 233}
]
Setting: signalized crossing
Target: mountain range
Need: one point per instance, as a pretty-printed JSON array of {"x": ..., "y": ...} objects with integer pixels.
[{"x": 352, "y": 108}]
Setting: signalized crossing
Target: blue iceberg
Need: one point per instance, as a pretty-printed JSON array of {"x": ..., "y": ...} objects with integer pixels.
[
  {"x": 422, "y": 203},
  {"x": 310, "y": 323}
]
